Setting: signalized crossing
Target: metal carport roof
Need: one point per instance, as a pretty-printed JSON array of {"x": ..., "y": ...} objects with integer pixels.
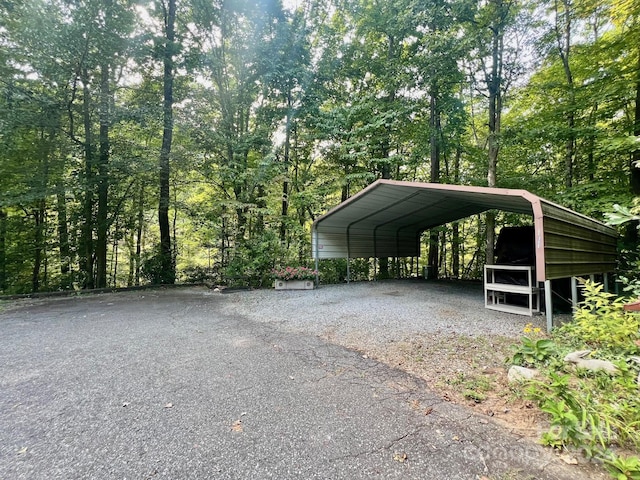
[{"x": 386, "y": 220}]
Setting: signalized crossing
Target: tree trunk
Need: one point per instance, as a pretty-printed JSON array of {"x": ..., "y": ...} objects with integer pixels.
[
  {"x": 635, "y": 156},
  {"x": 103, "y": 179},
  {"x": 563, "y": 39},
  {"x": 140, "y": 225},
  {"x": 434, "y": 140},
  {"x": 114, "y": 249},
  {"x": 39, "y": 217},
  {"x": 631, "y": 231},
  {"x": 3, "y": 250},
  {"x": 63, "y": 237},
  {"x": 87, "y": 227},
  {"x": 287, "y": 162},
  {"x": 455, "y": 235},
  {"x": 494, "y": 84},
  {"x": 132, "y": 257},
  {"x": 168, "y": 273}
]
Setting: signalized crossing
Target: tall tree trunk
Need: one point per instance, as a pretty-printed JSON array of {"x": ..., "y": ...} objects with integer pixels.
[
  {"x": 635, "y": 156},
  {"x": 494, "y": 84},
  {"x": 631, "y": 233},
  {"x": 132, "y": 257},
  {"x": 38, "y": 248},
  {"x": 166, "y": 260},
  {"x": 287, "y": 163},
  {"x": 563, "y": 39},
  {"x": 385, "y": 141},
  {"x": 139, "y": 231},
  {"x": 114, "y": 249},
  {"x": 434, "y": 140},
  {"x": 103, "y": 179},
  {"x": 455, "y": 235},
  {"x": 87, "y": 210},
  {"x": 3, "y": 250},
  {"x": 63, "y": 236}
]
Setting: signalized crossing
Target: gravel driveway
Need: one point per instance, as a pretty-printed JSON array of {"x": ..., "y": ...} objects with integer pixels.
[{"x": 385, "y": 310}]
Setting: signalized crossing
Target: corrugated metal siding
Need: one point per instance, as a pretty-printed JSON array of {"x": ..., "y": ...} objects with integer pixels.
[
  {"x": 331, "y": 245},
  {"x": 361, "y": 245},
  {"x": 576, "y": 246}
]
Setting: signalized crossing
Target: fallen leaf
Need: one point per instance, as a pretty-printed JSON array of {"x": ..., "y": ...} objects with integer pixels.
[
  {"x": 400, "y": 457},
  {"x": 169, "y": 405},
  {"x": 237, "y": 426}
]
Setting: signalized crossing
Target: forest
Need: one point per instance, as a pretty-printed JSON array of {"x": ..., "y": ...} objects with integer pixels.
[{"x": 172, "y": 141}]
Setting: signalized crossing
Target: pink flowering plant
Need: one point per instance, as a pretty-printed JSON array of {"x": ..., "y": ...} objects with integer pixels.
[{"x": 294, "y": 273}]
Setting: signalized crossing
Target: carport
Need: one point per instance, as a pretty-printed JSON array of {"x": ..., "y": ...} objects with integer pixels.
[{"x": 387, "y": 218}]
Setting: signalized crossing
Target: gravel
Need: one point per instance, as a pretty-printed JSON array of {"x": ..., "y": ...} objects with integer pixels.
[{"x": 383, "y": 311}]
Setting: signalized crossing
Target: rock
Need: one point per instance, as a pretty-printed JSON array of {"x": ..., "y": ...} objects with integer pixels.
[{"x": 519, "y": 374}]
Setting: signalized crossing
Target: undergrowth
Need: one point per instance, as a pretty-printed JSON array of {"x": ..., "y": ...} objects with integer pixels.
[{"x": 595, "y": 412}]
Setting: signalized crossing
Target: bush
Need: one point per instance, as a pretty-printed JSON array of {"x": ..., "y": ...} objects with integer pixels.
[
  {"x": 198, "y": 274},
  {"x": 254, "y": 260},
  {"x": 334, "y": 270},
  {"x": 602, "y": 323},
  {"x": 153, "y": 270}
]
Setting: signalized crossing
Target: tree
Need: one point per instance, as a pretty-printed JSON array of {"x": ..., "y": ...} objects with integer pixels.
[
  {"x": 496, "y": 57},
  {"x": 166, "y": 260}
]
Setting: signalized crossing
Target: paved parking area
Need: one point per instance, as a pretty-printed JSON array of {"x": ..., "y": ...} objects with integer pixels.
[{"x": 169, "y": 384}]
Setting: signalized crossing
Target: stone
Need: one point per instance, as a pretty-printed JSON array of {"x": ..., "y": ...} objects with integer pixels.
[{"x": 519, "y": 374}]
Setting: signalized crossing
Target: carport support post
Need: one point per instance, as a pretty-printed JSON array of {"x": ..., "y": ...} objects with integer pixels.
[
  {"x": 348, "y": 271},
  {"x": 548, "y": 304},
  {"x": 317, "y": 255},
  {"x": 574, "y": 292}
]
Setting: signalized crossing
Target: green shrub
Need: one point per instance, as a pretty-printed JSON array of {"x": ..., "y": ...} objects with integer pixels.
[
  {"x": 594, "y": 412},
  {"x": 532, "y": 352},
  {"x": 602, "y": 323}
]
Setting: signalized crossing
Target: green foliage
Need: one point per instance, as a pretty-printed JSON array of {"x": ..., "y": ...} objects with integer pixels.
[
  {"x": 153, "y": 268},
  {"x": 532, "y": 352},
  {"x": 254, "y": 260},
  {"x": 601, "y": 322},
  {"x": 592, "y": 411},
  {"x": 622, "y": 215},
  {"x": 200, "y": 274},
  {"x": 279, "y": 115},
  {"x": 335, "y": 270},
  {"x": 623, "y": 467}
]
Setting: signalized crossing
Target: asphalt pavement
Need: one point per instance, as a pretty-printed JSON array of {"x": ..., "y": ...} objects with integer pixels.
[{"x": 165, "y": 385}]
